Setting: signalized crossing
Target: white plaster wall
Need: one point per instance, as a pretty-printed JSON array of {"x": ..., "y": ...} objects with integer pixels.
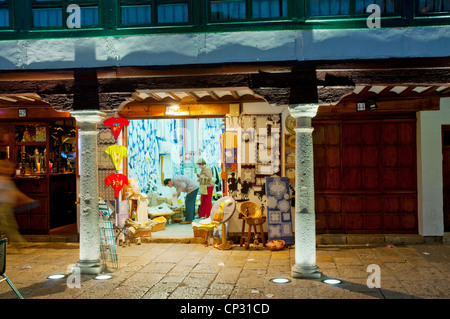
[
  {"x": 178, "y": 49},
  {"x": 429, "y": 169}
]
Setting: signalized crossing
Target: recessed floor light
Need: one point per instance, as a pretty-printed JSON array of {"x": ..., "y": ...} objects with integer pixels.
[
  {"x": 57, "y": 276},
  {"x": 103, "y": 277},
  {"x": 332, "y": 281},
  {"x": 280, "y": 280}
]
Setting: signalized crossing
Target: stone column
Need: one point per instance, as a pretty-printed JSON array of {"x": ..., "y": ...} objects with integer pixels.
[
  {"x": 305, "y": 219},
  {"x": 89, "y": 262}
]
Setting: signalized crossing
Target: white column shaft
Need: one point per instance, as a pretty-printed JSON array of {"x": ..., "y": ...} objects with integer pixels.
[
  {"x": 305, "y": 219},
  {"x": 89, "y": 214}
]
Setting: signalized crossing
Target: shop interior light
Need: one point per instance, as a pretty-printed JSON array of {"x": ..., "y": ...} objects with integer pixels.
[
  {"x": 332, "y": 281},
  {"x": 176, "y": 110},
  {"x": 56, "y": 276},
  {"x": 280, "y": 280},
  {"x": 103, "y": 277}
]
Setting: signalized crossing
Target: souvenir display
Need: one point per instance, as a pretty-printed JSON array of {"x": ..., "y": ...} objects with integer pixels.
[
  {"x": 116, "y": 124},
  {"x": 116, "y": 153},
  {"x": 279, "y": 209},
  {"x": 117, "y": 181}
]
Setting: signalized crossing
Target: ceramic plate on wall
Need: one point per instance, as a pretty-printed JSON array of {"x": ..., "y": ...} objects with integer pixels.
[{"x": 290, "y": 124}]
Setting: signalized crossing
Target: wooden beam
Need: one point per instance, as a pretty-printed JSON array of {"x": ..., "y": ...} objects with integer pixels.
[
  {"x": 348, "y": 108},
  {"x": 133, "y": 111}
]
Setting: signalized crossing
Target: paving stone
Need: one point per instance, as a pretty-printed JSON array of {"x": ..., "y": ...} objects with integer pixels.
[{"x": 194, "y": 271}]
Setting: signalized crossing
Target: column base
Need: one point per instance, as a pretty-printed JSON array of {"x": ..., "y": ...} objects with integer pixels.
[
  {"x": 308, "y": 272},
  {"x": 91, "y": 267}
]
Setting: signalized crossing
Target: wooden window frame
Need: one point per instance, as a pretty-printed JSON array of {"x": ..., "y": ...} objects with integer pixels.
[
  {"x": 62, "y": 5},
  {"x": 154, "y": 13}
]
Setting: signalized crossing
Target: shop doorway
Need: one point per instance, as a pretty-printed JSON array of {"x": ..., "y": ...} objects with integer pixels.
[
  {"x": 446, "y": 174},
  {"x": 164, "y": 148}
]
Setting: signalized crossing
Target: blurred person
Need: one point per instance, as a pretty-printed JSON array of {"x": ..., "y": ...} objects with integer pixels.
[
  {"x": 10, "y": 197},
  {"x": 206, "y": 181},
  {"x": 183, "y": 183}
]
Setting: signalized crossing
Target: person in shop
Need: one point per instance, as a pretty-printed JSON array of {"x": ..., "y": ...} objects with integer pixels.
[
  {"x": 10, "y": 198},
  {"x": 183, "y": 183},
  {"x": 206, "y": 183}
]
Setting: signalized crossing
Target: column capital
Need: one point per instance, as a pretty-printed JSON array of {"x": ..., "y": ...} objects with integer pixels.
[
  {"x": 304, "y": 110},
  {"x": 88, "y": 116}
]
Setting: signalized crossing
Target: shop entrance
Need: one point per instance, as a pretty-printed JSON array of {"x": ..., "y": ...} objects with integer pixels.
[{"x": 164, "y": 148}]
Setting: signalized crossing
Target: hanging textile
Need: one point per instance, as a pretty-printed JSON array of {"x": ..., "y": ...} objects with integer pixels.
[
  {"x": 116, "y": 153},
  {"x": 278, "y": 201},
  {"x": 117, "y": 181},
  {"x": 116, "y": 124}
]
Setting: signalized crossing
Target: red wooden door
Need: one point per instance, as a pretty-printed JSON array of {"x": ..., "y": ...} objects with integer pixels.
[
  {"x": 446, "y": 174},
  {"x": 365, "y": 176}
]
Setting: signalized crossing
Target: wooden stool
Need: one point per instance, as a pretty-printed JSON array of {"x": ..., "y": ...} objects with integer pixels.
[{"x": 252, "y": 222}]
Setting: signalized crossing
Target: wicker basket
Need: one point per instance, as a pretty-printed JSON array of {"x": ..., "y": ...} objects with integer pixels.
[
  {"x": 158, "y": 226},
  {"x": 250, "y": 210},
  {"x": 142, "y": 233},
  {"x": 202, "y": 233}
]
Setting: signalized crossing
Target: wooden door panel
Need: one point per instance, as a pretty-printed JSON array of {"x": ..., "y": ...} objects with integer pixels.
[
  {"x": 351, "y": 156},
  {"x": 390, "y": 178},
  {"x": 333, "y": 179},
  {"x": 333, "y": 156},
  {"x": 406, "y": 132},
  {"x": 370, "y": 179},
  {"x": 406, "y": 155},
  {"x": 365, "y": 157},
  {"x": 351, "y": 178},
  {"x": 389, "y": 156},
  {"x": 354, "y": 221},
  {"x": 446, "y": 175},
  {"x": 370, "y": 156},
  {"x": 332, "y": 134},
  {"x": 389, "y": 133},
  {"x": 351, "y": 134},
  {"x": 373, "y": 221}
]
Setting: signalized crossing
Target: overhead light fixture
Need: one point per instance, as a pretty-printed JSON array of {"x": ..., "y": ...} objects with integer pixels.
[
  {"x": 176, "y": 110},
  {"x": 280, "y": 280},
  {"x": 102, "y": 277},
  {"x": 332, "y": 281},
  {"x": 56, "y": 276}
]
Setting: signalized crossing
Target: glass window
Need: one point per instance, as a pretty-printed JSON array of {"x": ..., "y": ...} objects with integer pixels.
[
  {"x": 53, "y": 13},
  {"x": 343, "y": 7},
  {"x": 173, "y": 13},
  {"x": 228, "y": 10},
  {"x": 4, "y": 14},
  {"x": 47, "y": 17},
  {"x": 433, "y": 6},
  {"x": 136, "y": 15},
  {"x": 269, "y": 8},
  {"x": 4, "y": 18},
  {"x": 386, "y": 6},
  {"x": 89, "y": 16}
]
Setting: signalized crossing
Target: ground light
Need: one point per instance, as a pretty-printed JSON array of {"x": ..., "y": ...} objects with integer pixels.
[
  {"x": 280, "y": 280},
  {"x": 103, "y": 277},
  {"x": 56, "y": 276},
  {"x": 332, "y": 281}
]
